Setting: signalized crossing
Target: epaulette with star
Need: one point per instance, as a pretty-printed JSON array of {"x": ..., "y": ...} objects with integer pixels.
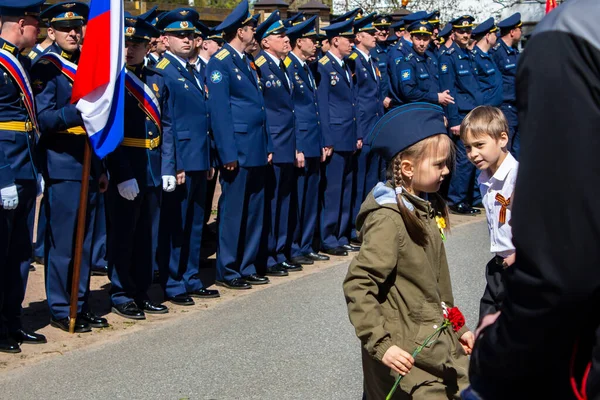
[
  {"x": 260, "y": 61},
  {"x": 324, "y": 60},
  {"x": 162, "y": 64},
  {"x": 496, "y": 47},
  {"x": 353, "y": 56},
  {"x": 409, "y": 57},
  {"x": 450, "y": 50},
  {"x": 32, "y": 54},
  {"x": 222, "y": 54}
]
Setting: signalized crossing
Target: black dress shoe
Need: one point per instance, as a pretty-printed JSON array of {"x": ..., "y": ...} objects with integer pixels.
[
  {"x": 129, "y": 310},
  {"x": 316, "y": 257},
  {"x": 23, "y": 336},
  {"x": 464, "y": 209},
  {"x": 39, "y": 260},
  {"x": 302, "y": 260},
  {"x": 255, "y": 279},
  {"x": 94, "y": 320},
  {"x": 275, "y": 270},
  {"x": 31, "y": 268},
  {"x": 100, "y": 271},
  {"x": 8, "y": 345},
  {"x": 63, "y": 323},
  {"x": 182, "y": 299},
  {"x": 150, "y": 307},
  {"x": 291, "y": 266},
  {"x": 349, "y": 247},
  {"x": 238, "y": 284},
  {"x": 336, "y": 251},
  {"x": 205, "y": 293}
]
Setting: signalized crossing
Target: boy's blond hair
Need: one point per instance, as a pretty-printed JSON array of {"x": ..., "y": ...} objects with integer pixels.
[{"x": 484, "y": 120}]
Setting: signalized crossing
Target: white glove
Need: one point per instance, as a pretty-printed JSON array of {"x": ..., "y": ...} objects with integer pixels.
[
  {"x": 128, "y": 189},
  {"x": 10, "y": 197},
  {"x": 169, "y": 183},
  {"x": 40, "y": 184}
]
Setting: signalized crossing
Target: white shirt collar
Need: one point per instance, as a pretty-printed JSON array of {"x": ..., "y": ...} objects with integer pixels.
[
  {"x": 203, "y": 59},
  {"x": 507, "y": 165},
  {"x": 239, "y": 52},
  {"x": 274, "y": 58},
  {"x": 336, "y": 59},
  {"x": 297, "y": 58},
  {"x": 181, "y": 60},
  {"x": 365, "y": 55}
]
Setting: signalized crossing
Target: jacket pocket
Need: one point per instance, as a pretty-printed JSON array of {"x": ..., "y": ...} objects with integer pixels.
[
  {"x": 8, "y": 136},
  {"x": 240, "y": 128},
  {"x": 303, "y": 126},
  {"x": 336, "y": 121},
  {"x": 184, "y": 135}
]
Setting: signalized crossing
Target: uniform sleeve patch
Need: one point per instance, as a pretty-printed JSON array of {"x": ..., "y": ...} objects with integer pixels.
[
  {"x": 405, "y": 74},
  {"x": 260, "y": 61},
  {"x": 162, "y": 64},
  {"x": 444, "y": 68},
  {"x": 216, "y": 77}
]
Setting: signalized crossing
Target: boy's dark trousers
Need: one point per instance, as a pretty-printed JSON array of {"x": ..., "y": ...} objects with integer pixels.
[{"x": 494, "y": 289}]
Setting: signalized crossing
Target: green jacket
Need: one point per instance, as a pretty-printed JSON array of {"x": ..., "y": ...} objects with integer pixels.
[{"x": 394, "y": 290}]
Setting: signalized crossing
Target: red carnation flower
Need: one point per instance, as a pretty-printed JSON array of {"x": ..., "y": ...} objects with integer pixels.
[{"x": 456, "y": 318}]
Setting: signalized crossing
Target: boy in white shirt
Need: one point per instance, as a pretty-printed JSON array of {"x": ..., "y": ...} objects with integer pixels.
[{"x": 484, "y": 132}]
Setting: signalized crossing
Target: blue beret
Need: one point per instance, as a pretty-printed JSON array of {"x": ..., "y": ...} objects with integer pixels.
[
  {"x": 238, "y": 18},
  {"x": 365, "y": 23},
  {"x": 485, "y": 27},
  {"x": 178, "y": 20},
  {"x": 67, "y": 14},
  {"x": 445, "y": 32},
  {"x": 304, "y": 29},
  {"x": 404, "y": 126},
  {"x": 416, "y": 16},
  {"x": 382, "y": 21},
  {"x": 420, "y": 27},
  {"x": 349, "y": 15},
  {"x": 464, "y": 21},
  {"x": 273, "y": 25},
  {"x": 21, "y": 8},
  {"x": 344, "y": 28},
  {"x": 138, "y": 29},
  {"x": 514, "y": 21}
]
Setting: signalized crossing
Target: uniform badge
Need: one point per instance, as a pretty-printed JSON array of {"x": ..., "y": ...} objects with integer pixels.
[
  {"x": 185, "y": 86},
  {"x": 444, "y": 68},
  {"x": 333, "y": 82},
  {"x": 155, "y": 87},
  {"x": 216, "y": 77},
  {"x": 405, "y": 75},
  {"x": 278, "y": 83},
  {"x": 239, "y": 78},
  {"x": 268, "y": 84}
]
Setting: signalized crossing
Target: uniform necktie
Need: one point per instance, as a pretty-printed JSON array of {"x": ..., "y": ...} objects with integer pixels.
[
  {"x": 310, "y": 81},
  {"x": 190, "y": 69},
  {"x": 504, "y": 203},
  {"x": 284, "y": 70}
]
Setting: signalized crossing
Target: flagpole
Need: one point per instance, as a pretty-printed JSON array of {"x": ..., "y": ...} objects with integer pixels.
[{"x": 80, "y": 233}]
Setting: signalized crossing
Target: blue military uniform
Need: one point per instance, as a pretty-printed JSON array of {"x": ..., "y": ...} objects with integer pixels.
[
  {"x": 457, "y": 74},
  {"x": 62, "y": 142},
  {"x": 419, "y": 79},
  {"x": 182, "y": 211},
  {"x": 146, "y": 154},
  {"x": 380, "y": 54},
  {"x": 309, "y": 140},
  {"x": 18, "y": 174},
  {"x": 337, "y": 105},
  {"x": 277, "y": 88},
  {"x": 486, "y": 71},
  {"x": 369, "y": 100},
  {"x": 241, "y": 133},
  {"x": 506, "y": 58}
]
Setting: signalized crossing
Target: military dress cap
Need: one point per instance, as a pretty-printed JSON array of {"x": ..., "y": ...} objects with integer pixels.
[
  {"x": 304, "y": 29},
  {"x": 392, "y": 38},
  {"x": 398, "y": 25},
  {"x": 404, "y": 126},
  {"x": 344, "y": 28},
  {"x": 485, "y": 27},
  {"x": 464, "y": 21},
  {"x": 514, "y": 21},
  {"x": 239, "y": 17},
  {"x": 138, "y": 29},
  {"x": 178, "y": 20},
  {"x": 215, "y": 35},
  {"x": 201, "y": 30},
  {"x": 416, "y": 16},
  {"x": 382, "y": 21},
  {"x": 20, "y": 8},
  {"x": 345, "y": 17},
  {"x": 365, "y": 23},
  {"x": 66, "y": 14},
  {"x": 423, "y": 27},
  {"x": 434, "y": 17},
  {"x": 445, "y": 31},
  {"x": 293, "y": 19},
  {"x": 150, "y": 15},
  {"x": 273, "y": 25}
]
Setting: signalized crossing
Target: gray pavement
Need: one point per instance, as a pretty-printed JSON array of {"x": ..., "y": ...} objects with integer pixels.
[{"x": 291, "y": 341}]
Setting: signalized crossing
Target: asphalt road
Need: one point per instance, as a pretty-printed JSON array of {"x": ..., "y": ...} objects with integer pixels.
[{"x": 291, "y": 341}]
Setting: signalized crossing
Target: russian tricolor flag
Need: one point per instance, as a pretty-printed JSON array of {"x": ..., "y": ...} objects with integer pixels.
[{"x": 99, "y": 86}]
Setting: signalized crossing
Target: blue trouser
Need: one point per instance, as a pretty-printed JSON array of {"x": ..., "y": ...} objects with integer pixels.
[
  {"x": 359, "y": 169},
  {"x": 369, "y": 166},
  {"x": 15, "y": 251},
  {"x": 336, "y": 200},
  {"x": 242, "y": 237},
  {"x": 180, "y": 235},
  {"x": 38, "y": 245},
  {"x": 463, "y": 181},
  {"x": 62, "y": 207},
  {"x": 133, "y": 239},
  {"x": 514, "y": 142},
  {"x": 279, "y": 189},
  {"x": 99, "y": 236},
  {"x": 306, "y": 206}
]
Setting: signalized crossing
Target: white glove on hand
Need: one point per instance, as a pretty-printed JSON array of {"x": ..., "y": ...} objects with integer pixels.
[
  {"x": 40, "y": 184},
  {"x": 10, "y": 197},
  {"x": 169, "y": 183},
  {"x": 128, "y": 189}
]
